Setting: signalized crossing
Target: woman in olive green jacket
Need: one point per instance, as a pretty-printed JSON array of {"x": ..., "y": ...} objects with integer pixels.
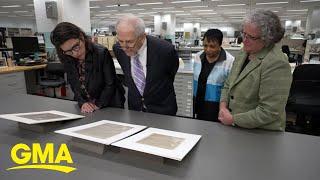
[{"x": 257, "y": 89}]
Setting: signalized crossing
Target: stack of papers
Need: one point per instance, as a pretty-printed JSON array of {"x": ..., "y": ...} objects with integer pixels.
[{"x": 40, "y": 117}]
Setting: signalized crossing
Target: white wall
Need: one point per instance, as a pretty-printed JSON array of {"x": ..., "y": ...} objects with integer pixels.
[
  {"x": 44, "y": 24},
  {"x": 315, "y": 20},
  {"x": 77, "y": 12}
]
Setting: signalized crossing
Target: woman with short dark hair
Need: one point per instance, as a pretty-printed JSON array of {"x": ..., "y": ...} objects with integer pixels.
[
  {"x": 89, "y": 67},
  {"x": 211, "y": 69}
]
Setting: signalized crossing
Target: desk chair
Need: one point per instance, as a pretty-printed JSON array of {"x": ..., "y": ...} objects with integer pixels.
[
  {"x": 304, "y": 98},
  {"x": 53, "y": 77},
  {"x": 286, "y": 50}
]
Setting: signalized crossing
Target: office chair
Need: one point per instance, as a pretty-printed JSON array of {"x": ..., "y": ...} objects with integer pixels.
[
  {"x": 53, "y": 77},
  {"x": 286, "y": 50},
  {"x": 304, "y": 98}
]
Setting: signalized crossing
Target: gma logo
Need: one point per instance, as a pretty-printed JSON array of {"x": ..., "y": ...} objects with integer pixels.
[{"x": 35, "y": 158}]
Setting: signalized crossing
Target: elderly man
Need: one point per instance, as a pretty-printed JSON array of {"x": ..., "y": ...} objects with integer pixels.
[{"x": 149, "y": 66}]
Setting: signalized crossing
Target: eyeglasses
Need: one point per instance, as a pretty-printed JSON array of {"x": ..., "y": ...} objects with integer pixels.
[
  {"x": 128, "y": 44},
  {"x": 247, "y": 36},
  {"x": 75, "y": 48}
]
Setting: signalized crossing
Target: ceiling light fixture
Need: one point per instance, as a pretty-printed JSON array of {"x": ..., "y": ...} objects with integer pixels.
[
  {"x": 297, "y": 10},
  {"x": 306, "y": 1},
  {"x": 163, "y": 8},
  {"x": 206, "y": 13},
  {"x": 154, "y": 3},
  {"x": 203, "y": 10},
  {"x": 11, "y": 6},
  {"x": 186, "y": 14},
  {"x": 118, "y": 5},
  {"x": 226, "y": 5},
  {"x": 134, "y": 10},
  {"x": 189, "y": 7},
  {"x": 191, "y": 1},
  {"x": 270, "y": 3},
  {"x": 20, "y": 11}
]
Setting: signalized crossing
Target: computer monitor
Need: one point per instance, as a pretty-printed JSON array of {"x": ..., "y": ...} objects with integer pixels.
[
  {"x": 25, "y": 44},
  {"x": 24, "y": 47}
]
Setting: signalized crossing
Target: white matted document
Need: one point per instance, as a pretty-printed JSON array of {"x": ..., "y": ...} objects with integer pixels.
[
  {"x": 160, "y": 142},
  {"x": 104, "y": 131},
  {"x": 40, "y": 117}
]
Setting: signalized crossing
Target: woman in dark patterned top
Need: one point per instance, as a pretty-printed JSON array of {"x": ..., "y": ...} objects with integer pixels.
[{"x": 89, "y": 67}]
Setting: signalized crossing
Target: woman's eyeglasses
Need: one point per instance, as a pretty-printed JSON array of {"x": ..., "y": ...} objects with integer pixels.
[
  {"x": 75, "y": 48},
  {"x": 247, "y": 36}
]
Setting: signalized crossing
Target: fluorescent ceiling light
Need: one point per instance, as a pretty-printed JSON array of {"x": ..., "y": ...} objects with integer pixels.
[
  {"x": 164, "y": 8},
  {"x": 149, "y": 13},
  {"x": 99, "y": 15},
  {"x": 11, "y": 6},
  {"x": 186, "y": 14},
  {"x": 20, "y": 11},
  {"x": 94, "y": 7},
  {"x": 152, "y": 3},
  {"x": 120, "y": 14},
  {"x": 117, "y": 5},
  {"x": 109, "y": 11},
  {"x": 226, "y": 5},
  {"x": 268, "y": 3},
  {"x": 3, "y": 12},
  {"x": 188, "y": 7},
  {"x": 234, "y": 12},
  {"x": 236, "y": 17},
  {"x": 203, "y": 10},
  {"x": 134, "y": 10},
  {"x": 173, "y": 11},
  {"x": 297, "y": 10},
  {"x": 176, "y": 2},
  {"x": 306, "y": 1},
  {"x": 206, "y": 13}
]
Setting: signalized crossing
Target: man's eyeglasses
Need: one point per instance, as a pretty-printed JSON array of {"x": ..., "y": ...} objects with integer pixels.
[
  {"x": 247, "y": 36},
  {"x": 75, "y": 48},
  {"x": 128, "y": 44}
]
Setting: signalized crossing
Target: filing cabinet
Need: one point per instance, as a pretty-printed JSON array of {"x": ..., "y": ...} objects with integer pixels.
[{"x": 12, "y": 83}]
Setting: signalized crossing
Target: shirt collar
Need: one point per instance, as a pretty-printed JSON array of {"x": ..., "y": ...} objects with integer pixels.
[
  {"x": 222, "y": 55},
  {"x": 142, "y": 48}
]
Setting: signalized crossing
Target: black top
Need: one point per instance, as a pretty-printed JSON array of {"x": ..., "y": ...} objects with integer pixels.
[
  {"x": 246, "y": 62},
  {"x": 101, "y": 83},
  {"x": 206, "y": 110},
  {"x": 162, "y": 65}
]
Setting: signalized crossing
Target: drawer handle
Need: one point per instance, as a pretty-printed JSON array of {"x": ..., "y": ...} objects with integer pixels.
[
  {"x": 10, "y": 76},
  {"x": 12, "y": 84}
]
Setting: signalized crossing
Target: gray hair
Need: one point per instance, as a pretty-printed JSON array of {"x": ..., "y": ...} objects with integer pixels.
[
  {"x": 269, "y": 24},
  {"x": 136, "y": 22}
]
